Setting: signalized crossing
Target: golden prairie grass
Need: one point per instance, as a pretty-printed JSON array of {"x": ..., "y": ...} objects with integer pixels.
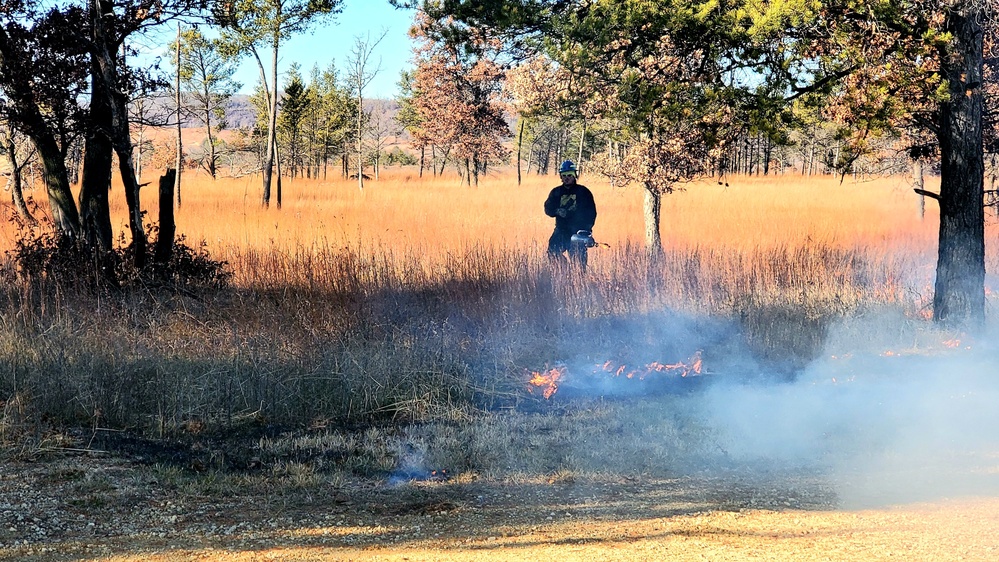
[
  {"x": 805, "y": 242},
  {"x": 433, "y": 217},
  {"x": 419, "y": 297},
  {"x": 750, "y": 234}
]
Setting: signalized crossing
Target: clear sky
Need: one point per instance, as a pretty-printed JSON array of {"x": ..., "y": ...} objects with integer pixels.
[{"x": 332, "y": 41}]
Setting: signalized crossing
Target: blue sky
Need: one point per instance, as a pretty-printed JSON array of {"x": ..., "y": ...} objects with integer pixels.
[{"x": 332, "y": 41}]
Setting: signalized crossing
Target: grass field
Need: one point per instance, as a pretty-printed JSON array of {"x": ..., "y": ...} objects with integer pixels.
[
  {"x": 419, "y": 297},
  {"x": 360, "y": 390}
]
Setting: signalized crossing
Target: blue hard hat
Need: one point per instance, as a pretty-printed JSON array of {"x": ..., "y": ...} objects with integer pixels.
[{"x": 567, "y": 167}]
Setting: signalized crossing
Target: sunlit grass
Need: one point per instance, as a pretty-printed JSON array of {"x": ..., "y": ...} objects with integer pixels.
[
  {"x": 732, "y": 230},
  {"x": 763, "y": 238},
  {"x": 435, "y": 216},
  {"x": 748, "y": 235},
  {"x": 420, "y": 297}
]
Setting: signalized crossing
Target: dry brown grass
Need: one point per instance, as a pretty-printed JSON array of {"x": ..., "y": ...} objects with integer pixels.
[
  {"x": 417, "y": 297},
  {"x": 752, "y": 235}
]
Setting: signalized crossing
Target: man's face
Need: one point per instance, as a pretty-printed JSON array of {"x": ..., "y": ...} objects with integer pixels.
[{"x": 568, "y": 179}]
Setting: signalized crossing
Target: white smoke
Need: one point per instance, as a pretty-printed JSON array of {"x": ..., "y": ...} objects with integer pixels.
[{"x": 915, "y": 420}]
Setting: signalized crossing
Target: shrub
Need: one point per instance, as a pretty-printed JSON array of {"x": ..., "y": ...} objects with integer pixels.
[{"x": 43, "y": 255}]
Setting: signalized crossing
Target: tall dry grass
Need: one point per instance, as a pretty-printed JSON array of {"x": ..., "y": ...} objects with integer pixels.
[
  {"x": 422, "y": 298},
  {"x": 429, "y": 221},
  {"x": 788, "y": 239}
]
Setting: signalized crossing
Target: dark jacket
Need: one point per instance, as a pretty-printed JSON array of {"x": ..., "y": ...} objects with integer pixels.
[{"x": 580, "y": 210}]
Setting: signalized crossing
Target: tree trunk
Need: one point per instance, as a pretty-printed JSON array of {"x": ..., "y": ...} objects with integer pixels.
[
  {"x": 95, "y": 215},
  {"x": 123, "y": 148},
  {"x": 520, "y": 146},
  {"x": 959, "y": 292},
  {"x": 277, "y": 161},
  {"x": 95, "y": 183},
  {"x": 272, "y": 125},
  {"x": 811, "y": 155},
  {"x": 139, "y": 162},
  {"x": 212, "y": 166},
  {"x": 360, "y": 138},
  {"x": 179, "y": 163},
  {"x": 444, "y": 156},
  {"x": 168, "y": 227},
  {"x": 652, "y": 209},
  {"x": 919, "y": 185},
  {"x": 15, "y": 182},
  {"x": 104, "y": 50},
  {"x": 768, "y": 149}
]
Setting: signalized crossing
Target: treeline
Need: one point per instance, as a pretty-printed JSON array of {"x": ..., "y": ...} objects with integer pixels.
[{"x": 819, "y": 150}]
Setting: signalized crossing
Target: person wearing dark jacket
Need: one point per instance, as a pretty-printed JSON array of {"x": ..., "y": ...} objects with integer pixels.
[{"x": 573, "y": 208}]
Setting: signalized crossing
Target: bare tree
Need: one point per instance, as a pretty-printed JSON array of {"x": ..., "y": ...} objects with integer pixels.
[
  {"x": 208, "y": 86},
  {"x": 359, "y": 75}
]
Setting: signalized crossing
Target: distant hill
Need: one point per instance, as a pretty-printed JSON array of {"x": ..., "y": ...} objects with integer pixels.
[{"x": 240, "y": 113}]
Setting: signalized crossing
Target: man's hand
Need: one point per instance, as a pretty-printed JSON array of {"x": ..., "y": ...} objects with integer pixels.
[{"x": 561, "y": 212}]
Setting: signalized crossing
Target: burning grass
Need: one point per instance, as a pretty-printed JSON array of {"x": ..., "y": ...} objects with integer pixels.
[
  {"x": 417, "y": 299},
  {"x": 600, "y": 377}
]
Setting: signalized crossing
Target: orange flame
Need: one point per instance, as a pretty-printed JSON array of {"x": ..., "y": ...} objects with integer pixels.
[
  {"x": 547, "y": 381},
  {"x": 691, "y": 366}
]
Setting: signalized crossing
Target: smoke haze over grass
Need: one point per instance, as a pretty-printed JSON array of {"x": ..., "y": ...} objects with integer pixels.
[{"x": 914, "y": 421}]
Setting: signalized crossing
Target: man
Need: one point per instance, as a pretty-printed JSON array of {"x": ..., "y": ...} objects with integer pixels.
[{"x": 573, "y": 208}]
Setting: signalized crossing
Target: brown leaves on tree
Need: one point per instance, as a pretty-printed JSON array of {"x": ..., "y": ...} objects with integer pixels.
[{"x": 457, "y": 100}]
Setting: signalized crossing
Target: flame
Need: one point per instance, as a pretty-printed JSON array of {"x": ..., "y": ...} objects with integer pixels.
[
  {"x": 546, "y": 380},
  {"x": 691, "y": 366},
  {"x": 952, "y": 343}
]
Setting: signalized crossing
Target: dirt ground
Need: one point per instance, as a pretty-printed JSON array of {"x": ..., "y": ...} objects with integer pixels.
[{"x": 81, "y": 507}]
